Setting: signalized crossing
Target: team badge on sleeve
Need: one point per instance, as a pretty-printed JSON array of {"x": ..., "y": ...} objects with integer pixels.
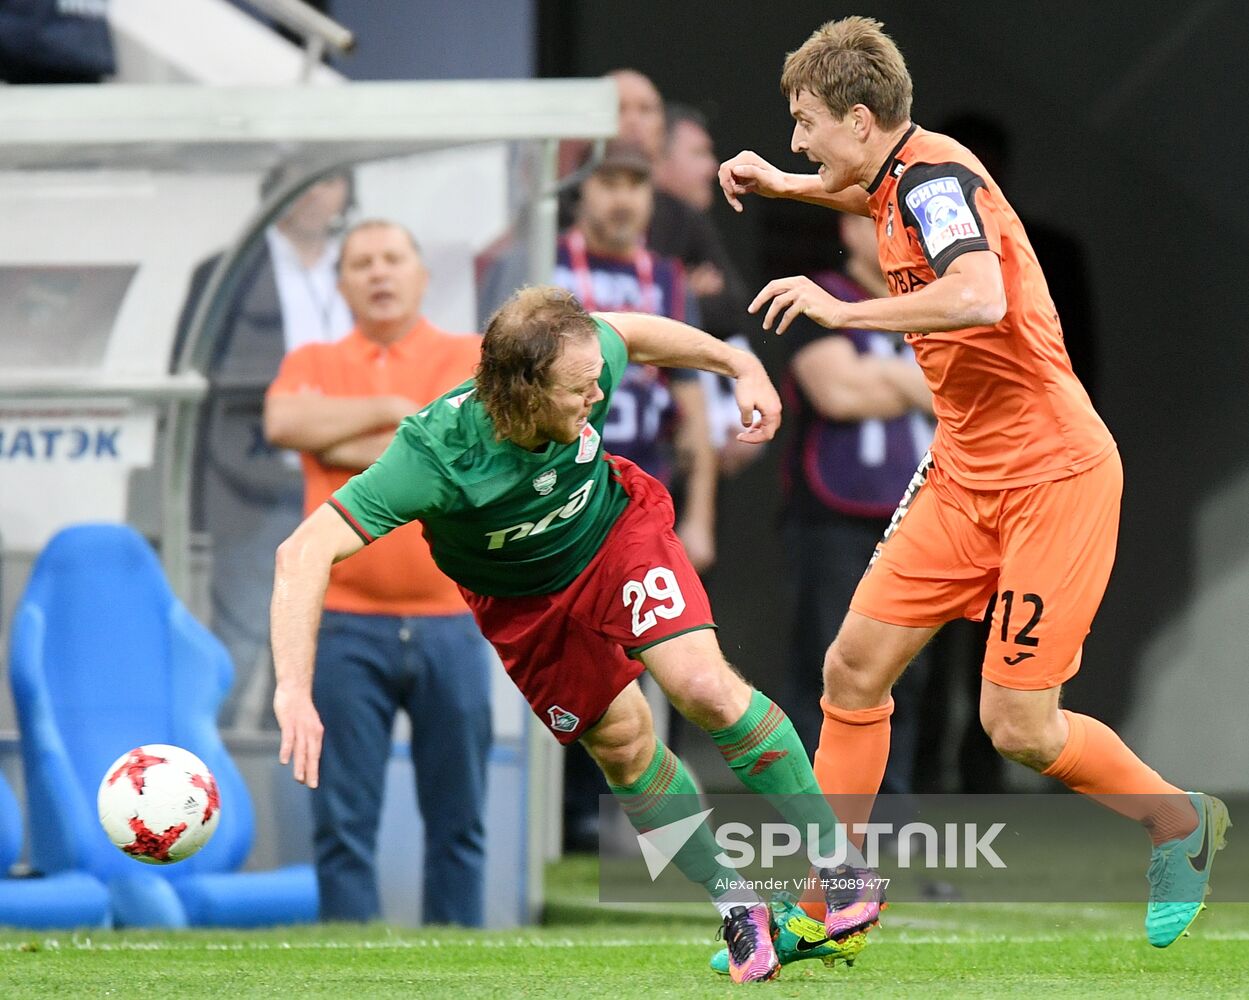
[{"x": 944, "y": 216}]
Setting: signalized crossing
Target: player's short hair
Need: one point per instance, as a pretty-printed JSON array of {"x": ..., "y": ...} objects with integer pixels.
[
  {"x": 523, "y": 341},
  {"x": 849, "y": 62}
]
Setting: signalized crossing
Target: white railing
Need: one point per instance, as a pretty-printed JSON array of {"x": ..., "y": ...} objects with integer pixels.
[{"x": 317, "y": 30}]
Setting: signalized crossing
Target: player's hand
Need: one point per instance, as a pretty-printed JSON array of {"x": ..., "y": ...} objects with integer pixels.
[
  {"x": 301, "y": 734},
  {"x": 759, "y": 404},
  {"x": 798, "y": 296},
  {"x": 750, "y": 173}
]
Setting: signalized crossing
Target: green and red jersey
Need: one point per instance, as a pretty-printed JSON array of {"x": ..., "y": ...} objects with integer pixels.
[{"x": 500, "y": 520}]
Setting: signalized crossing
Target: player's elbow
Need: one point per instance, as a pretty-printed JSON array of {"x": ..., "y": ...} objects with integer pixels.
[
  {"x": 994, "y": 307},
  {"x": 983, "y": 303},
  {"x": 291, "y": 554}
]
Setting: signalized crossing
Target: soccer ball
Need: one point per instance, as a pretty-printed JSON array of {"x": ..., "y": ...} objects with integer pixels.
[{"x": 159, "y": 804}]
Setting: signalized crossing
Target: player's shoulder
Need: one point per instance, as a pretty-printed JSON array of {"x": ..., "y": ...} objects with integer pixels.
[
  {"x": 925, "y": 145},
  {"x": 932, "y": 155},
  {"x": 447, "y": 428}
]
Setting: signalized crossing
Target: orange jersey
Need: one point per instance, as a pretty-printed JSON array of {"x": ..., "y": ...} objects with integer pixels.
[
  {"x": 396, "y": 575},
  {"x": 1010, "y": 411}
]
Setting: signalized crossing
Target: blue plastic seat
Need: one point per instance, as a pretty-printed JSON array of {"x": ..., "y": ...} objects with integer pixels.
[
  {"x": 66, "y": 899},
  {"x": 104, "y": 658}
]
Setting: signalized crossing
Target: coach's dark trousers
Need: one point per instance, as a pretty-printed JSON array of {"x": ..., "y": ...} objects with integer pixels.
[{"x": 437, "y": 668}]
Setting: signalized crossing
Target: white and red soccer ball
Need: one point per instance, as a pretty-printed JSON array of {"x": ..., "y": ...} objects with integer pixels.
[{"x": 159, "y": 804}]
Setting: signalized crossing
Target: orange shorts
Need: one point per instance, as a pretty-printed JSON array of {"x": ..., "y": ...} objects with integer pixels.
[{"x": 1035, "y": 559}]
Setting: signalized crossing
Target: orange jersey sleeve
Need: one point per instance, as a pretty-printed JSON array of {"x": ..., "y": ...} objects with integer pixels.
[{"x": 1010, "y": 411}]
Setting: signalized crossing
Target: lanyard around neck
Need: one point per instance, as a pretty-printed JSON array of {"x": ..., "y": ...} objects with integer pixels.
[{"x": 643, "y": 266}]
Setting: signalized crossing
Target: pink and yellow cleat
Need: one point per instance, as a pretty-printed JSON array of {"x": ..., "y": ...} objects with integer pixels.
[
  {"x": 854, "y": 898},
  {"x": 747, "y": 932}
]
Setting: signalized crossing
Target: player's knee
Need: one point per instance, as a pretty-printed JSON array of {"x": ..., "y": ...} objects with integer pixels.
[
  {"x": 1018, "y": 740},
  {"x": 623, "y": 742},
  {"x": 851, "y": 679},
  {"x": 712, "y": 696},
  {"x": 625, "y": 756}
]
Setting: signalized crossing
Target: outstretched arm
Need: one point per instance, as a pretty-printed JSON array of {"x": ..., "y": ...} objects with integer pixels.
[
  {"x": 301, "y": 576},
  {"x": 970, "y": 293},
  {"x": 656, "y": 340},
  {"x": 750, "y": 173}
]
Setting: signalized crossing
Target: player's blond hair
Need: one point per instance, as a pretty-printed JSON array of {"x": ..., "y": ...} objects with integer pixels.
[
  {"x": 523, "y": 340},
  {"x": 849, "y": 62}
]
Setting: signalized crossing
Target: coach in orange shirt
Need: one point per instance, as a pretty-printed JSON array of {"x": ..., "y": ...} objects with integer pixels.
[
  {"x": 395, "y": 632},
  {"x": 1015, "y": 515}
]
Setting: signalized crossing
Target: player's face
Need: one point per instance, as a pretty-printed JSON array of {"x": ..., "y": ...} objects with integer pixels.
[
  {"x": 828, "y": 141},
  {"x": 615, "y": 210},
  {"x": 573, "y": 391},
  {"x": 690, "y": 165},
  {"x": 382, "y": 278}
]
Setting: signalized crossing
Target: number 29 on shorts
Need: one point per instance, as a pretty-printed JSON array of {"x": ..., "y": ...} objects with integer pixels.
[{"x": 660, "y": 588}]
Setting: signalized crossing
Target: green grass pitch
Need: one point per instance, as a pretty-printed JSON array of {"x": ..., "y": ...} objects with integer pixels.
[{"x": 587, "y": 951}]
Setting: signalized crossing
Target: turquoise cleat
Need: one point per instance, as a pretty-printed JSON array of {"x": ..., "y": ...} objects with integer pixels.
[
  {"x": 799, "y": 937},
  {"x": 1179, "y": 873}
]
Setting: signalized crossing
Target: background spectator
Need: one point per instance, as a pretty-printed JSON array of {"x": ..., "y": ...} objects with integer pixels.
[
  {"x": 247, "y": 495},
  {"x": 860, "y": 414}
]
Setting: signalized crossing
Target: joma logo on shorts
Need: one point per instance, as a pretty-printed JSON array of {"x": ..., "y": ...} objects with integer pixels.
[{"x": 577, "y": 500}]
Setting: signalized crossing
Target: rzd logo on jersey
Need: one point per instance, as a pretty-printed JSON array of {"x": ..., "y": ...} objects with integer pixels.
[{"x": 577, "y": 500}]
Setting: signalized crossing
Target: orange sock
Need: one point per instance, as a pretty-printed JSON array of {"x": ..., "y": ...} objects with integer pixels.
[
  {"x": 1096, "y": 762},
  {"x": 849, "y": 765}
]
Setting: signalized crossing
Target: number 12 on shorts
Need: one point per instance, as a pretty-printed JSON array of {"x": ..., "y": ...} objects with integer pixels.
[
  {"x": 1024, "y": 636},
  {"x": 659, "y": 585}
]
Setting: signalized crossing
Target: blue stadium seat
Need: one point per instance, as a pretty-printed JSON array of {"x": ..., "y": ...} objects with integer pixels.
[
  {"x": 66, "y": 899},
  {"x": 104, "y": 658}
]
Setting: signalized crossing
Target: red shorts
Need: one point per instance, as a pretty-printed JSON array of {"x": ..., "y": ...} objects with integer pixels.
[
  {"x": 572, "y": 652},
  {"x": 1036, "y": 559}
]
